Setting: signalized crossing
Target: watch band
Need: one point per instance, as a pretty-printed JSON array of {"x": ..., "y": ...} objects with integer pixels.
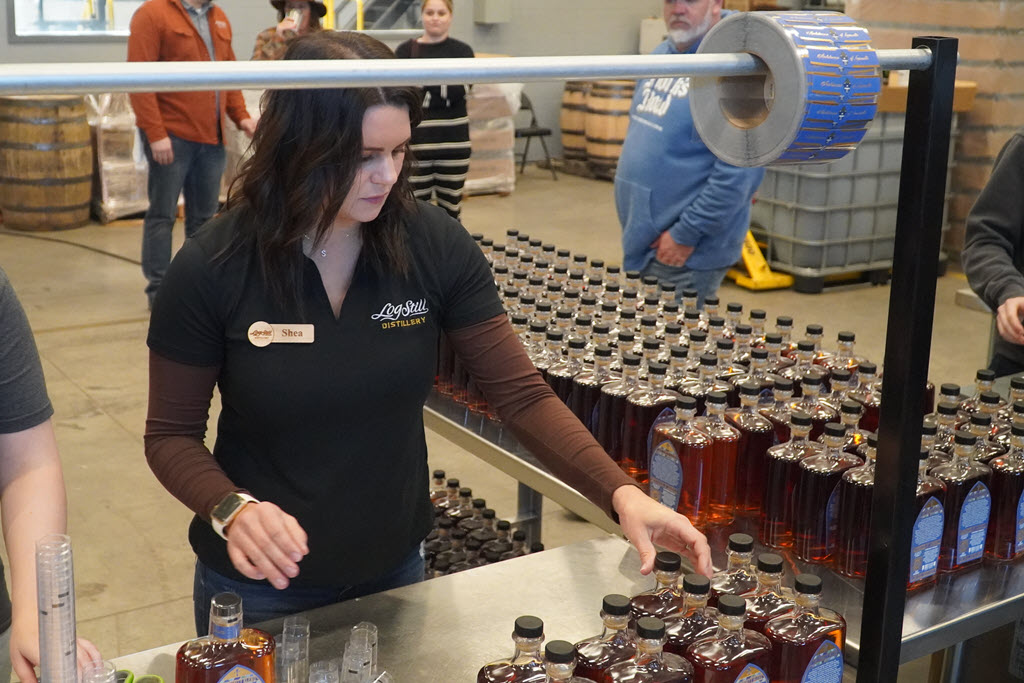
[{"x": 239, "y": 501}]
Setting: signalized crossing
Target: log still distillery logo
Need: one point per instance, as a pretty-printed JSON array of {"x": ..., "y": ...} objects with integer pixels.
[{"x": 402, "y": 315}]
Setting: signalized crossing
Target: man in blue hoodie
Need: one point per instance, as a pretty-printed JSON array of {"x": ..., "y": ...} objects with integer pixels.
[{"x": 684, "y": 212}]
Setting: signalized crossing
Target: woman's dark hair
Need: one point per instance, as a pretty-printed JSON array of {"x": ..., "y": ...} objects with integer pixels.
[{"x": 307, "y": 150}]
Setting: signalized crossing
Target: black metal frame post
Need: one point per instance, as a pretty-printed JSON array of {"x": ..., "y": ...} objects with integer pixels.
[{"x": 907, "y": 346}]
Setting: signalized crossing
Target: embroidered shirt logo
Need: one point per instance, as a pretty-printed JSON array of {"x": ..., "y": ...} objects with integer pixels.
[{"x": 402, "y": 314}]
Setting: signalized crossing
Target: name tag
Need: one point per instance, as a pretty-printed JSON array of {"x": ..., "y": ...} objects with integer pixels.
[{"x": 263, "y": 333}]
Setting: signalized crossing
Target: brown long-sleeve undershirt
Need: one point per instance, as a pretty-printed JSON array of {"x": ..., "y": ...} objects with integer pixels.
[{"x": 180, "y": 395}]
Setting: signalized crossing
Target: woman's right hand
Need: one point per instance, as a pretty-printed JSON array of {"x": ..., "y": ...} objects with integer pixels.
[
  {"x": 264, "y": 542},
  {"x": 286, "y": 26}
]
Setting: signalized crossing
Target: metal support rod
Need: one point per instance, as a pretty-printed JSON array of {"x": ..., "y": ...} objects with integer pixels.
[
  {"x": 80, "y": 79},
  {"x": 907, "y": 346}
]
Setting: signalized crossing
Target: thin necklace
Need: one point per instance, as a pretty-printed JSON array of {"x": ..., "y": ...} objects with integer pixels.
[{"x": 323, "y": 252}]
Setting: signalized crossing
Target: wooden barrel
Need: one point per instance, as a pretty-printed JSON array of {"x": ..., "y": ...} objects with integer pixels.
[
  {"x": 45, "y": 162},
  {"x": 606, "y": 123},
  {"x": 573, "y": 120}
]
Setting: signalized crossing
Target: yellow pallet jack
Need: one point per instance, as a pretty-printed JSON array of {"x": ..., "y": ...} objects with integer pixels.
[{"x": 759, "y": 274}]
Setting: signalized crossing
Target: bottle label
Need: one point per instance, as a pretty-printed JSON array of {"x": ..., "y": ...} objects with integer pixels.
[
  {"x": 240, "y": 674},
  {"x": 1019, "y": 544},
  {"x": 222, "y": 632},
  {"x": 970, "y": 542},
  {"x": 752, "y": 673},
  {"x": 666, "y": 474},
  {"x": 826, "y": 666},
  {"x": 665, "y": 416},
  {"x": 924, "y": 552},
  {"x": 832, "y": 520}
]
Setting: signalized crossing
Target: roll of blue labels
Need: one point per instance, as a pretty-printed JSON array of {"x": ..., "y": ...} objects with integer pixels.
[{"x": 814, "y": 105}]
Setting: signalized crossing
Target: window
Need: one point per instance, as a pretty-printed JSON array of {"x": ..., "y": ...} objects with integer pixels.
[{"x": 70, "y": 18}]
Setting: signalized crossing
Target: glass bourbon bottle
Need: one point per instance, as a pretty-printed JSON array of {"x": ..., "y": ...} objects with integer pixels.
[
  {"x": 560, "y": 663},
  {"x": 697, "y": 619},
  {"x": 811, "y": 404},
  {"x": 561, "y": 374},
  {"x": 779, "y": 411},
  {"x": 678, "y": 463},
  {"x": 721, "y": 476},
  {"x": 781, "y": 476},
  {"x": 611, "y": 410},
  {"x": 868, "y": 395},
  {"x": 586, "y": 387},
  {"x": 850, "y": 556},
  {"x": 807, "y": 644},
  {"x": 664, "y": 599},
  {"x": 756, "y": 437},
  {"x": 738, "y": 577},
  {"x": 734, "y": 653},
  {"x": 229, "y": 653},
  {"x": 769, "y": 599},
  {"x": 526, "y": 664},
  {"x": 929, "y": 520},
  {"x": 1006, "y": 527},
  {"x": 648, "y": 407},
  {"x": 650, "y": 664},
  {"x": 614, "y": 644},
  {"x": 968, "y": 505}
]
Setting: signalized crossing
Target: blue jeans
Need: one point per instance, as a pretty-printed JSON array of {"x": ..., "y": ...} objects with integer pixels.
[
  {"x": 706, "y": 282},
  {"x": 197, "y": 169},
  {"x": 262, "y": 602}
]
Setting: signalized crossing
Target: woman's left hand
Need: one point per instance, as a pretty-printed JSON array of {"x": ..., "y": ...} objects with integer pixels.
[{"x": 645, "y": 522}]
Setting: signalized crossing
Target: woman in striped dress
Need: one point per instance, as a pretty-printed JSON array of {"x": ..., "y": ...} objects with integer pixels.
[{"x": 440, "y": 144}]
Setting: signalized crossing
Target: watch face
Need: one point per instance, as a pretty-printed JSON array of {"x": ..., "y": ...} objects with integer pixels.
[{"x": 227, "y": 507}]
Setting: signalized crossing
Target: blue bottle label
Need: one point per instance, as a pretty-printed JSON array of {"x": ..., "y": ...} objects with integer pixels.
[
  {"x": 832, "y": 520},
  {"x": 666, "y": 474},
  {"x": 752, "y": 673},
  {"x": 1019, "y": 545},
  {"x": 826, "y": 666},
  {"x": 222, "y": 632},
  {"x": 927, "y": 539},
  {"x": 970, "y": 542},
  {"x": 665, "y": 416},
  {"x": 240, "y": 674}
]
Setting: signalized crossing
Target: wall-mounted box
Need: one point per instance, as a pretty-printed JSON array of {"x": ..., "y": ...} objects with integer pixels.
[{"x": 492, "y": 11}]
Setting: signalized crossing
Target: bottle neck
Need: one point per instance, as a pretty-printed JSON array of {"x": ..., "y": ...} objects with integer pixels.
[
  {"x": 695, "y": 601},
  {"x": 683, "y": 418},
  {"x": 782, "y": 398},
  {"x": 845, "y": 350},
  {"x": 738, "y": 560},
  {"x": 648, "y": 649},
  {"x": 769, "y": 582},
  {"x": 809, "y": 604},
  {"x": 798, "y": 434},
  {"x": 665, "y": 580},
  {"x": 614, "y": 625},
  {"x": 630, "y": 373},
  {"x": 834, "y": 444},
  {"x": 527, "y": 649},
  {"x": 657, "y": 383},
  {"x": 982, "y": 385},
  {"x": 730, "y": 627},
  {"x": 748, "y": 403}
]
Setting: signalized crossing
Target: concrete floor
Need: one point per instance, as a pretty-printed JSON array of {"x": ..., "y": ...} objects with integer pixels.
[{"x": 83, "y": 292}]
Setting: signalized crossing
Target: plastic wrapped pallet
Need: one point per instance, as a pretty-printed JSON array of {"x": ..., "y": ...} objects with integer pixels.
[
  {"x": 120, "y": 167},
  {"x": 492, "y": 166}
]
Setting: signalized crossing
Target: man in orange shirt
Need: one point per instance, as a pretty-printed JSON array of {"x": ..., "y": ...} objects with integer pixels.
[{"x": 182, "y": 132}]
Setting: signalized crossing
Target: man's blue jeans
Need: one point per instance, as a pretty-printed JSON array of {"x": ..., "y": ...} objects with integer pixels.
[
  {"x": 706, "y": 282},
  {"x": 197, "y": 169}
]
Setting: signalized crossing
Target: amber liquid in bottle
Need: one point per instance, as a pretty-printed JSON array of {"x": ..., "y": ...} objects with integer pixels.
[
  {"x": 770, "y": 600},
  {"x": 783, "y": 470},
  {"x": 643, "y": 408},
  {"x": 756, "y": 437},
  {"x": 855, "y": 492},
  {"x": 1005, "y": 540},
  {"x": 230, "y": 651},
  {"x": 809, "y": 637},
  {"x": 560, "y": 375},
  {"x": 929, "y": 519},
  {"x": 586, "y": 389},
  {"x": 696, "y": 622},
  {"x": 663, "y": 600},
  {"x": 611, "y": 408},
  {"x": 678, "y": 462},
  {"x": 616, "y": 644},
  {"x": 526, "y": 664},
  {"x": 778, "y": 413},
  {"x": 733, "y": 652},
  {"x": 815, "y": 515},
  {"x": 721, "y": 474},
  {"x": 650, "y": 664},
  {"x": 738, "y": 577},
  {"x": 967, "y": 498}
]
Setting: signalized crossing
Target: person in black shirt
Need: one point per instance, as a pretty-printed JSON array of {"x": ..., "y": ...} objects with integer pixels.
[
  {"x": 440, "y": 144},
  {"x": 315, "y": 304}
]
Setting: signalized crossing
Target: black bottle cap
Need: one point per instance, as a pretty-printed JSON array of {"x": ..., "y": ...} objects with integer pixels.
[
  {"x": 812, "y": 378},
  {"x": 734, "y": 307},
  {"x": 486, "y": 242},
  {"x": 554, "y": 287},
  {"x": 520, "y": 275},
  {"x": 630, "y": 359},
  {"x": 555, "y": 335},
  {"x": 503, "y": 525},
  {"x": 656, "y": 368},
  {"x": 613, "y": 269},
  {"x": 501, "y": 267},
  {"x": 577, "y": 343},
  {"x": 924, "y": 454},
  {"x": 711, "y": 301},
  {"x": 929, "y": 427},
  {"x": 499, "y": 247},
  {"x": 732, "y": 606},
  {"x": 667, "y": 286},
  {"x": 650, "y": 628},
  {"x": 673, "y": 328},
  {"x": 438, "y": 474},
  {"x": 867, "y": 368},
  {"x": 544, "y": 305},
  {"x": 649, "y": 303},
  {"x": 629, "y": 293},
  {"x": 479, "y": 503},
  {"x": 535, "y": 242},
  {"x": 698, "y": 336},
  {"x": 709, "y": 360},
  {"x": 510, "y": 292},
  {"x": 579, "y": 258},
  {"x": 1017, "y": 428},
  {"x": 564, "y": 253},
  {"x": 1017, "y": 382},
  {"x": 538, "y": 327},
  {"x": 805, "y": 345},
  {"x": 571, "y": 293},
  {"x": 588, "y": 299},
  {"x": 808, "y": 584},
  {"x": 835, "y": 429},
  {"x": 603, "y": 350},
  {"x": 527, "y": 299},
  {"x": 946, "y": 408},
  {"x": 725, "y": 344},
  {"x": 608, "y": 307},
  {"x": 686, "y": 403},
  {"x": 758, "y": 314},
  {"x": 773, "y": 338},
  {"x": 523, "y": 237},
  {"x": 627, "y": 313},
  {"x": 784, "y": 321},
  {"x": 950, "y": 389},
  {"x": 667, "y": 561},
  {"x": 981, "y": 419},
  {"x": 873, "y": 440},
  {"x": 759, "y": 353},
  {"x": 990, "y": 397},
  {"x": 783, "y": 384},
  {"x": 518, "y": 535},
  {"x": 550, "y": 248},
  {"x": 963, "y": 438},
  {"x": 611, "y": 287},
  {"x": 564, "y": 313},
  {"x": 459, "y": 534},
  {"x": 652, "y": 344},
  {"x": 697, "y": 584},
  {"x": 649, "y": 280},
  {"x": 744, "y": 330},
  {"x": 680, "y": 351},
  {"x": 541, "y": 264},
  {"x": 453, "y": 483},
  {"x": 559, "y": 652},
  {"x": 769, "y": 563},
  {"x": 985, "y": 375},
  {"x": 800, "y": 419},
  {"x": 716, "y": 397},
  {"x": 615, "y": 605},
  {"x": 529, "y": 627},
  {"x": 841, "y": 375},
  {"x": 512, "y": 232},
  {"x": 465, "y": 492},
  {"x": 1018, "y": 407},
  {"x": 489, "y": 513},
  {"x": 691, "y": 314},
  {"x": 536, "y": 547},
  {"x": 850, "y": 407},
  {"x": 445, "y": 523},
  {"x": 750, "y": 389},
  {"x": 716, "y": 321},
  {"x": 847, "y": 337},
  {"x": 473, "y": 543},
  {"x": 814, "y": 329},
  {"x": 520, "y": 319},
  {"x": 649, "y": 320},
  {"x": 741, "y": 543},
  {"x": 670, "y": 307},
  {"x": 526, "y": 258},
  {"x": 689, "y": 293}
]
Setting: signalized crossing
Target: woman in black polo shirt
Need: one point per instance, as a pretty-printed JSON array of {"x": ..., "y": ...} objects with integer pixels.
[{"x": 315, "y": 305}]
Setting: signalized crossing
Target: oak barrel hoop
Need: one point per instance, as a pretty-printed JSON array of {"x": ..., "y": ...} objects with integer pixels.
[
  {"x": 607, "y": 120},
  {"x": 572, "y": 120},
  {"x": 45, "y": 162}
]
